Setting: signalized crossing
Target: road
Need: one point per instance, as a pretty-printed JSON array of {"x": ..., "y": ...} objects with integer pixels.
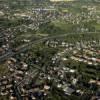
[
  {"x": 17, "y": 92},
  {"x": 31, "y": 44},
  {"x": 28, "y": 46}
]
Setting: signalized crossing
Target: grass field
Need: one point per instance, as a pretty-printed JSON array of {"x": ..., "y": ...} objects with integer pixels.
[
  {"x": 67, "y": 27},
  {"x": 97, "y": 27}
]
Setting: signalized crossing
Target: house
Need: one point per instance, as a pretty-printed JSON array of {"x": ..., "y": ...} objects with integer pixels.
[
  {"x": 68, "y": 90},
  {"x": 13, "y": 60},
  {"x": 9, "y": 86},
  {"x": 13, "y": 98},
  {"x": 1, "y": 51},
  {"x": 72, "y": 70},
  {"x": 3, "y": 93},
  {"x": 74, "y": 81}
]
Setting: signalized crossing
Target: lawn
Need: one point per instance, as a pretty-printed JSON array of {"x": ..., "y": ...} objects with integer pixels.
[
  {"x": 97, "y": 27},
  {"x": 63, "y": 25},
  {"x": 3, "y": 69}
]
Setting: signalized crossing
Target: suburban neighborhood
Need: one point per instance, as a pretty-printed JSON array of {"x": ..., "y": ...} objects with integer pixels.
[{"x": 50, "y": 50}]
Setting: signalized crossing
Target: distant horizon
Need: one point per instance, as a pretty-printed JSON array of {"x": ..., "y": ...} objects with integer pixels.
[{"x": 60, "y": 0}]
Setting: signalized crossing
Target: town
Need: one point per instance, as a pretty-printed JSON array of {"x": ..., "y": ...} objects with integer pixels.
[{"x": 50, "y": 50}]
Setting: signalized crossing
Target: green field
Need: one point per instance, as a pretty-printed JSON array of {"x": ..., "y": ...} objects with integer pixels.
[{"x": 3, "y": 69}]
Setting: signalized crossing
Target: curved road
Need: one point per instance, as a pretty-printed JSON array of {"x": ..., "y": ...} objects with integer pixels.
[{"x": 30, "y": 44}]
